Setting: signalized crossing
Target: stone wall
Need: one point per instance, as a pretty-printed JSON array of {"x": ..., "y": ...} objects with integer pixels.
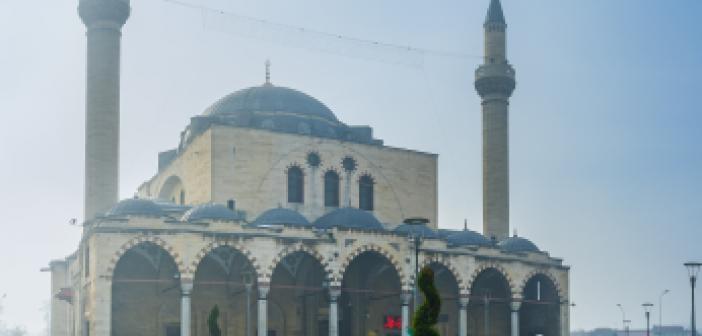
[{"x": 250, "y": 166}]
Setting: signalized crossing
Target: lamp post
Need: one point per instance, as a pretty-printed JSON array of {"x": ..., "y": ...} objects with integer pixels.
[
  {"x": 647, "y": 310},
  {"x": 693, "y": 268},
  {"x": 416, "y": 236},
  {"x": 621, "y": 308},
  {"x": 660, "y": 311}
]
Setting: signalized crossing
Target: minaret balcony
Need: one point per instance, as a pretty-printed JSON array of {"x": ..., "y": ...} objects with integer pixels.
[
  {"x": 492, "y": 79},
  {"x": 96, "y": 12}
]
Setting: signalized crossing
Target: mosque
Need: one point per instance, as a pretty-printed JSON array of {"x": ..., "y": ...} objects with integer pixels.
[{"x": 292, "y": 222}]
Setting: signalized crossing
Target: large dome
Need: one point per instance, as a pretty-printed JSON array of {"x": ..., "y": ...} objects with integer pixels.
[{"x": 271, "y": 100}]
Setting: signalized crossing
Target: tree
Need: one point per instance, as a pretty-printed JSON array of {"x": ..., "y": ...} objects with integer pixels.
[
  {"x": 212, "y": 322},
  {"x": 426, "y": 317}
]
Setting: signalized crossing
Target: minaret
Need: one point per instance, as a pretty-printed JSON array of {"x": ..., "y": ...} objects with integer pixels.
[
  {"x": 104, "y": 20},
  {"x": 494, "y": 81}
]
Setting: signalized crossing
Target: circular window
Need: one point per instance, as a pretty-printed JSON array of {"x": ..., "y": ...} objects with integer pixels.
[
  {"x": 349, "y": 164},
  {"x": 313, "y": 159}
]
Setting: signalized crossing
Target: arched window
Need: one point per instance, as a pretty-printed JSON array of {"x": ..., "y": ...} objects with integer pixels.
[
  {"x": 365, "y": 193},
  {"x": 331, "y": 189},
  {"x": 296, "y": 185}
]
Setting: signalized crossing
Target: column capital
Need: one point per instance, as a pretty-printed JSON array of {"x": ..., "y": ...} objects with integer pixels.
[
  {"x": 263, "y": 290},
  {"x": 334, "y": 293},
  {"x": 463, "y": 300},
  {"x": 186, "y": 286},
  {"x": 515, "y": 305},
  {"x": 406, "y": 297}
]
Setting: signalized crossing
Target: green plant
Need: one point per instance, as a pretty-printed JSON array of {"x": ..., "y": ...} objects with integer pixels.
[
  {"x": 212, "y": 322},
  {"x": 427, "y": 315}
]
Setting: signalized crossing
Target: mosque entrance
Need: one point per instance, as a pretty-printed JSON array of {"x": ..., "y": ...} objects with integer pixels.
[
  {"x": 225, "y": 278},
  {"x": 489, "y": 305},
  {"x": 298, "y": 301},
  {"x": 370, "y": 293},
  {"x": 539, "y": 314},
  {"x": 145, "y": 292}
]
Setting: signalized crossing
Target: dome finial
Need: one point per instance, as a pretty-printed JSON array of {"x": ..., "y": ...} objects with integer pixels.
[{"x": 268, "y": 72}]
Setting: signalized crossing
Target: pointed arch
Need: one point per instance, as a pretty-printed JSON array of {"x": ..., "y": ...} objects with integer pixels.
[
  {"x": 112, "y": 264},
  {"x": 545, "y": 273},
  {"x": 236, "y": 247},
  {"x": 486, "y": 266},
  {"x": 381, "y": 251},
  {"x": 299, "y": 248},
  {"x": 427, "y": 261}
]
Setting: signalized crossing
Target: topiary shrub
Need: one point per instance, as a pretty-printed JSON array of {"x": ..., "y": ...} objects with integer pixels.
[
  {"x": 426, "y": 317},
  {"x": 212, "y": 322}
]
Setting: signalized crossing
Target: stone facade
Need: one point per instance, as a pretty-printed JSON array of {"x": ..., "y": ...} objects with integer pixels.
[{"x": 249, "y": 166}]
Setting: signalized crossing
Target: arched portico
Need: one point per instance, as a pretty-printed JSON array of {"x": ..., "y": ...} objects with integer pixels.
[
  {"x": 489, "y": 306},
  {"x": 297, "y": 300},
  {"x": 146, "y": 292},
  {"x": 370, "y": 296},
  {"x": 539, "y": 313},
  {"x": 449, "y": 292},
  {"x": 226, "y": 278}
]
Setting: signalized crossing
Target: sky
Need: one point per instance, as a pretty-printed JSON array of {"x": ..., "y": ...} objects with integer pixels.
[{"x": 606, "y": 151}]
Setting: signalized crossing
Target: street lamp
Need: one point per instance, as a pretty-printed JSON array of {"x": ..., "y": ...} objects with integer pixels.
[
  {"x": 621, "y": 308},
  {"x": 416, "y": 236},
  {"x": 660, "y": 311},
  {"x": 647, "y": 309},
  {"x": 693, "y": 268}
]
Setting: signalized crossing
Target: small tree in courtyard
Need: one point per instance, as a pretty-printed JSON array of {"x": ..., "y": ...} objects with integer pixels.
[
  {"x": 212, "y": 322},
  {"x": 426, "y": 317}
]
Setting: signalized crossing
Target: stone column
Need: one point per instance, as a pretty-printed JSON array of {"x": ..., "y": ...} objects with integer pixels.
[
  {"x": 185, "y": 307},
  {"x": 514, "y": 306},
  {"x": 263, "y": 290},
  {"x": 334, "y": 294},
  {"x": 405, "y": 297},
  {"x": 463, "y": 315}
]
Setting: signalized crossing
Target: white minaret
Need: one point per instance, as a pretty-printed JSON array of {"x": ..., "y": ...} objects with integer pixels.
[
  {"x": 104, "y": 20},
  {"x": 494, "y": 81}
]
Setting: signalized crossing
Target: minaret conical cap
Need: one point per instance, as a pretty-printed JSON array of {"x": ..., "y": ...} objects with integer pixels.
[{"x": 495, "y": 14}]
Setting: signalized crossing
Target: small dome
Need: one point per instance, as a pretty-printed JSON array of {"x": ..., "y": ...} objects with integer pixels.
[
  {"x": 467, "y": 238},
  {"x": 413, "y": 230},
  {"x": 210, "y": 211},
  {"x": 349, "y": 218},
  {"x": 518, "y": 244},
  {"x": 135, "y": 207},
  {"x": 280, "y": 216},
  {"x": 272, "y": 101}
]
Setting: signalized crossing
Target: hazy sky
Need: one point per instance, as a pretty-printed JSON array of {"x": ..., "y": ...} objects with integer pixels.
[{"x": 606, "y": 155}]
